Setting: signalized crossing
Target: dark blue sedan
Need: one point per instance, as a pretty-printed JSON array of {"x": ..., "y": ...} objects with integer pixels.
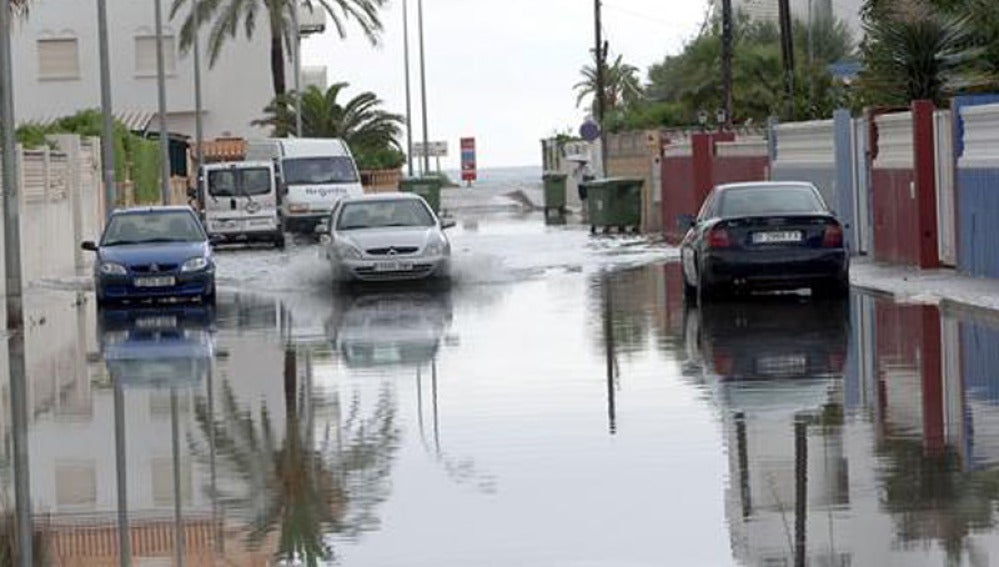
[
  {"x": 765, "y": 236},
  {"x": 153, "y": 253}
]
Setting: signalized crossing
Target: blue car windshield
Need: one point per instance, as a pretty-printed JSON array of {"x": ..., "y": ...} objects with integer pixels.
[{"x": 151, "y": 227}]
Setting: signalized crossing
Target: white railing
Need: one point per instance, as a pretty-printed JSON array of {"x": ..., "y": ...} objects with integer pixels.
[
  {"x": 806, "y": 143},
  {"x": 752, "y": 147},
  {"x": 981, "y": 137}
]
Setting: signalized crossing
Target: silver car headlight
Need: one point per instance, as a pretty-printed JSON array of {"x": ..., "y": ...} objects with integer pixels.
[
  {"x": 195, "y": 264},
  {"x": 348, "y": 251},
  {"x": 112, "y": 269},
  {"x": 434, "y": 249}
]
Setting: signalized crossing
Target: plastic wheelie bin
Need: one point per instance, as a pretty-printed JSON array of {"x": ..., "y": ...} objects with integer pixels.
[
  {"x": 428, "y": 187},
  {"x": 555, "y": 186},
  {"x": 614, "y": 202}
]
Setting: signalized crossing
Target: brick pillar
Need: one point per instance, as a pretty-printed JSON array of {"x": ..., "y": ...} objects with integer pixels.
[{"x": 926, "y": 183}]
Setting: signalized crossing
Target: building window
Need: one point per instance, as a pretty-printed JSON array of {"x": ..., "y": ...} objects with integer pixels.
[
  {"x": 76, "y": 484},
  {"x": 58, "y": 59},
  {"x": 145, "y": 55}
]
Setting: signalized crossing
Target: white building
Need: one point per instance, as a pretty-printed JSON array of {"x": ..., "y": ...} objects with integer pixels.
[
  {"x": 846, "y": 10},
  {"x": 57, "y": 69}
]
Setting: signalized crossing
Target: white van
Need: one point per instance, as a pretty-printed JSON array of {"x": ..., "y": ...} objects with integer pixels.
[
  {"x": 241, "y": 202},
  {"x": 314, "y": 174}
]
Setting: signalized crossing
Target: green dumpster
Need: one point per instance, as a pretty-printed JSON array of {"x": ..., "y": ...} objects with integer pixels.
[
  {"x": 428, "y": 187},
  {"x": 614, "y": 202},
  {"x": 555, "y": 184}
]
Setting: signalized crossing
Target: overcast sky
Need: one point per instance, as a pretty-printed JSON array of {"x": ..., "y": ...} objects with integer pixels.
[{"x": 502, "y": 71}]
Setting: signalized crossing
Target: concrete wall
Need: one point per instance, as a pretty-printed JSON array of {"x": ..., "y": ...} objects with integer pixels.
[
  {"x": 60, "y": 205},
  {"x": 977, "y": 195},
  {"x": 637, "y": 154}
]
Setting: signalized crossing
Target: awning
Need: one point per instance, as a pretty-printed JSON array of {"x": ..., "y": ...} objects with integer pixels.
[{"x": 134, "y": 120}]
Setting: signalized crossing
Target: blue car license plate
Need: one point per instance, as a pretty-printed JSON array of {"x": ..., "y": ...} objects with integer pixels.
[{"x": 155, "y": 281}]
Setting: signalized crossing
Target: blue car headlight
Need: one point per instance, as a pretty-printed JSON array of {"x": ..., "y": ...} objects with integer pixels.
[
  {"x": 112, "y": 269},
  {"x": 195, "y": 264}
]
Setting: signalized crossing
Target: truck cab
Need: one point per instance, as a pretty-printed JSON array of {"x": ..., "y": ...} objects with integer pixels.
[{"x": 241, "y": 202}]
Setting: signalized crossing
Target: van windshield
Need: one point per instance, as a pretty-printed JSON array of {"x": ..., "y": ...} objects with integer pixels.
[
  {"x": 239, "y": 182},
  {"x": 319, "y": 170}
]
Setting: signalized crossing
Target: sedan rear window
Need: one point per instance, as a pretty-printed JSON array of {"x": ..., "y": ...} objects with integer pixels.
[
  {"x": 142, "y": 228},
  {"x": 380, "y": 214},
  {"x": 769, "y": 200}
]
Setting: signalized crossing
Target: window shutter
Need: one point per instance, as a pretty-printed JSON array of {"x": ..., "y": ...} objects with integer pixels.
[
  {"x": 145, "y": 55},
  {"x": 58, "y": 59}
]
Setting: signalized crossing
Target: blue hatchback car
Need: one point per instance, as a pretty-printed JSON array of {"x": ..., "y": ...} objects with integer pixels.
[{"x": 153, "y": 253}]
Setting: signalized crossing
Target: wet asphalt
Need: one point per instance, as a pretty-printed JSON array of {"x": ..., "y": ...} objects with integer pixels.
[{"x": 558, "y": 405}]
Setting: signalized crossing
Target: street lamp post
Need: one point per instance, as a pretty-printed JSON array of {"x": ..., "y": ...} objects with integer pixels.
[
  {"x": 297, "y": 64},
  {"x": 423, "y": 89},
  {"x": 12, "y": 221},
  {"x": 198, "y": 131},
  {"x": 161, "y": 88},
  {"x": 107, "y": 140},
  {"x": 409, "y": 99}
]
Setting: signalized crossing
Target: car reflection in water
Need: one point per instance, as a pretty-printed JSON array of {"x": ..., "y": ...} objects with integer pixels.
[
  {"x": 780, "y": 337},
  {"x": 391, "y": 329},
  {"x": 163, "y": 347}
]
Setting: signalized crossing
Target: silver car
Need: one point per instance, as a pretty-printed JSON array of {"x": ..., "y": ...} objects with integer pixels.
[{"x": 386, "y": 237}]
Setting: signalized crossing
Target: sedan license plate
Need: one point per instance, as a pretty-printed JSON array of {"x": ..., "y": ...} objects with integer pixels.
[
  {"x": 788, "y": 365},
  {"x": 156, "y": 281},
  {"x": 777, "y": 237},
  {"x": 393, "y": 266}
]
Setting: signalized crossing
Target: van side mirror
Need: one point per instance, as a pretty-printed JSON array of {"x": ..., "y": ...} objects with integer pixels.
[
  {"x": 322, "y": 228},
  {"x": 448, "y": 224},
  {"x": 89, "y": 246}
]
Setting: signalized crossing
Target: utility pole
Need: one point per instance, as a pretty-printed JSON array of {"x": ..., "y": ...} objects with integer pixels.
[
  {"x": 787, "y": 55},
  {"x": 15, "y": 318},
  {"x": 161, "y": 84},
  {"x": 423, "y": 88},
  {"x": 297, "y": 55},
  {"x": 12, "y": 221},
  {"x": 107, "y": 141},
  {"x": 727, "y": 102},
  {"x": 198, "y": 131},
  {"x": 409, "y": 99},
  {"x": 811, "y": 58},
  {"x": 601, "y": 95}
]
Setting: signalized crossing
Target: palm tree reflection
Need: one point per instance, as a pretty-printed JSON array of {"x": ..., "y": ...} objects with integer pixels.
[{"x": 301, "y": 489}]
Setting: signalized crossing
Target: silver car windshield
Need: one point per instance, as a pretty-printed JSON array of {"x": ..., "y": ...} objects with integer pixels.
[
  {"x": 239, "y": 182},
  {"x": 142, "y": 228},
  {"x": 380, "y": 214},
  {"x": 318, "y": 170}
]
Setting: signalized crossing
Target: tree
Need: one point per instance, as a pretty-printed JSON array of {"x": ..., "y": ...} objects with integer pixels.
[
  {"x": 916, "y": 53},
  {"x": 371, "y": 133},
  {"x": 684, "y": 84},
  {"x": 227, "y": 17},
  {"x": 622, "y": 87},
  {"x": 302, "y": 488}
]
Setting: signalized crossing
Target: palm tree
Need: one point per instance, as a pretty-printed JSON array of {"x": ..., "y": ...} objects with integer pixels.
[
  {"x": 227, "y": 17},
  {"x": 622, "y": 87},
  {"x": 301, "y": 488},
  {"x": 358, "y": 121}
]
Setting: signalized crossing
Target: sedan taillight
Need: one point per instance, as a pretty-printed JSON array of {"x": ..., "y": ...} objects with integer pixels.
[
  {"x": 833, "y": 236},
  {"x": 718, "y": 238}
]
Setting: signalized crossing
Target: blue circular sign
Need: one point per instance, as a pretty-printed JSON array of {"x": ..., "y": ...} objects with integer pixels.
[{"x": 589, "y": 131}]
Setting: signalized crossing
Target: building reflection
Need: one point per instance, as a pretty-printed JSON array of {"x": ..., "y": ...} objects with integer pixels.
[
  {"x": 858, "y": 435},
  {"x": 192, "y": 437}
]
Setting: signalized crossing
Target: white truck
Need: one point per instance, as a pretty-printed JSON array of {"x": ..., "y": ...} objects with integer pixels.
[
  {"x": 241, "y": 202},
  {"x": 314, "y": 174}
]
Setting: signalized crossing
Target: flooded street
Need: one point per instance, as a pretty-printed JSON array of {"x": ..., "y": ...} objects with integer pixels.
[{"x": 559, "y": 405}]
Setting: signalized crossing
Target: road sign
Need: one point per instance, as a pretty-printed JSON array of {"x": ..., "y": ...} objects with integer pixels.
[
  {"x": 468, "y": 172},
  {"x": 589, "y": 131},
  {"x": 437, "y": 149}
]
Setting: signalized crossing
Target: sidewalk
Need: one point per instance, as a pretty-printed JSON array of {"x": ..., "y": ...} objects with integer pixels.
[{"x": 909, "y": 285}]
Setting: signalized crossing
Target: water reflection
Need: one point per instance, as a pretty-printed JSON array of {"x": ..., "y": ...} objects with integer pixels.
[{"x": 390, "y": 329}]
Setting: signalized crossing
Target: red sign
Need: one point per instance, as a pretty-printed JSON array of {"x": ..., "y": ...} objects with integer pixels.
[{"x": 468, "y": 159}]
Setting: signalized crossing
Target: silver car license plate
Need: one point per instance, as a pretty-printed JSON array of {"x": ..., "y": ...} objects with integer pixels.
[
  {"x": 393, "y": 266},
  {"x": 156, "y": 281},
  {"x": 777, "y": 237}
]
